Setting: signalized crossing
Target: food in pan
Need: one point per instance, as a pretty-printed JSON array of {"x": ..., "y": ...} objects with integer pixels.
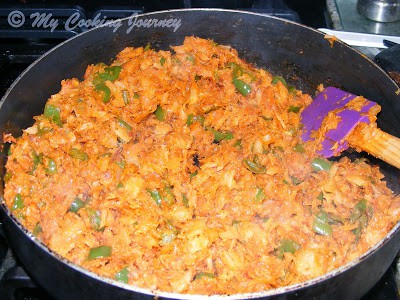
[{"x": 184, "y": 171}]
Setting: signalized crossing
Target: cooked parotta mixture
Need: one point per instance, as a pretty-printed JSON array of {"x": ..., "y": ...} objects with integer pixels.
[{"x": 184, "y": 171}]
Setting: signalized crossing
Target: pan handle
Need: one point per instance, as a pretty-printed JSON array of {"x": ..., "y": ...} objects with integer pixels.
[
  {"x": 361, "y": 39},
  {"x": 388, "y": 59}
]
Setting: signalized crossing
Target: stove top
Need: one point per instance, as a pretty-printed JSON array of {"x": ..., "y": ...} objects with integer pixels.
[{"x": 28, "y": 30}]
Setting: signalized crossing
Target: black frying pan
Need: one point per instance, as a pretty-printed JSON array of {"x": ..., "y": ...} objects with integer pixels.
[{"x": 296, "y": 52}]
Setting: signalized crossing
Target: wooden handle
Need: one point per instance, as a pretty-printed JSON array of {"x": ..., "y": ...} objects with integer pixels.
[{"x": 378, "y": 143}]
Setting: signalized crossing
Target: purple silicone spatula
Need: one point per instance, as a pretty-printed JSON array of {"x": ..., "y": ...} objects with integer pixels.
[{"x": 338, "y": 119}]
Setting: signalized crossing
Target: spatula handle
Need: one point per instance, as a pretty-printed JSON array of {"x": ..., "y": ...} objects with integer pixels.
[{"x": 377, "y": 143}]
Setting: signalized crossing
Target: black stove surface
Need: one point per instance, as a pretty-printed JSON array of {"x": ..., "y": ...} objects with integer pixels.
[{"x": 21, "y": 45}]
